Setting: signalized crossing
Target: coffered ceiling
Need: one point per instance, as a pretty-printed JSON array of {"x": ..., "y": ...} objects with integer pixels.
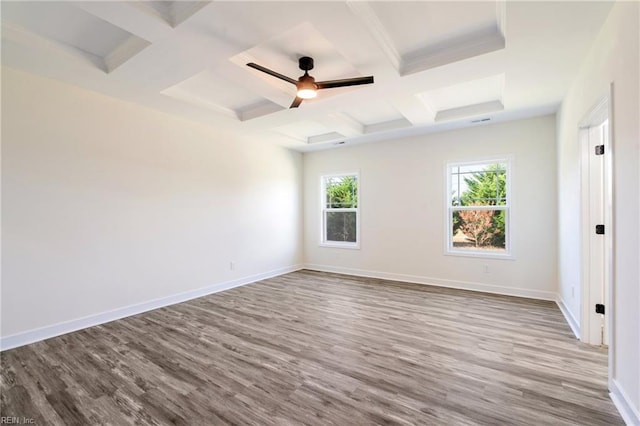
[{"x": 437, "y": 65}]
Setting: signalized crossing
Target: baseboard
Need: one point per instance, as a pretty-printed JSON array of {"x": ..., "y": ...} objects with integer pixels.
[
  {"x": 629, "y": 413},
  {"x": 571, "y": 320},
  {"x": 463, "y": 285},
  {"x": 36, "y": 335}
]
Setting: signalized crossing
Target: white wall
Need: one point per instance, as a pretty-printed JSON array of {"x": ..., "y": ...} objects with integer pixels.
[
  {"x": 107, "y": 204},
  {"x": 402, "y": 188},
  {"x": 614, "y": 57}
]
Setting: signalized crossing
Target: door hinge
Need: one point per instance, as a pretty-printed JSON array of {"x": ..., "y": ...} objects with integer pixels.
[
  {"x": 599, "y": 149},
  {"x": 600, "y": 229},
  {"x": 599, "y": 308}
]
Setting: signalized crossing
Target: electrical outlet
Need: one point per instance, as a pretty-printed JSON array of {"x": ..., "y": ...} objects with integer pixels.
[
  {"x": 573, "y": 291},
  {"x": 486, "y": 269},
  {"x": 232, "y": 265}
]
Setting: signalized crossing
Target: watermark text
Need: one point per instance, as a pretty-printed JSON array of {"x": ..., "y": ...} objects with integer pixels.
[{"x": 14, "y": 420}]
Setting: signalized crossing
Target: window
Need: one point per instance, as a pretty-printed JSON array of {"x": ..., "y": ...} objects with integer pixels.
[
  {"x": 478, "y": 208},
  {"x": 340, "y": 215}
]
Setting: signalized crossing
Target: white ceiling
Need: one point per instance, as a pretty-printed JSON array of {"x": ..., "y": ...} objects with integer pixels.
[{"x": 437, "y": 65}]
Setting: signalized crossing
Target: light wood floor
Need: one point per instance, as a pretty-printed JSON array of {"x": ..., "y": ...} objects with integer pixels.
[{"x": 318, "y": 349}]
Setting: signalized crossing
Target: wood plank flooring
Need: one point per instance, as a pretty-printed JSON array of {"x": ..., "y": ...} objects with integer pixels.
[{"x": 311, "y": 348}]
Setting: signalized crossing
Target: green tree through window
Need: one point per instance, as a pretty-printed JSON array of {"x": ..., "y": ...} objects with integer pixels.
[{"x": 340, "y": 210}]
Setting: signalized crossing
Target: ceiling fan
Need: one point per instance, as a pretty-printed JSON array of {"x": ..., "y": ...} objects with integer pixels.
[{"x": 308, "y": 86}]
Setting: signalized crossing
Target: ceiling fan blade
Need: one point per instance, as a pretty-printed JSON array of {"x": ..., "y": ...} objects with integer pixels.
[
  {"x": 344, "y": 82},
  {"x": 296, "y": 103},
  {"x": 272, "y": 73}
]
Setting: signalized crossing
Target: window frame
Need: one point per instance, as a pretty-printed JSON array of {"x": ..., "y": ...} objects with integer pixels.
[
  {"x": 450, "y": 250},
  {"x": 323, "y": 212}
]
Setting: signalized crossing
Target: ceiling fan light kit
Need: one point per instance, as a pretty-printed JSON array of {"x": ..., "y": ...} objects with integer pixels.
[
  {"x": 306, "y": 85},
  {"x": 307, "y": 93}
]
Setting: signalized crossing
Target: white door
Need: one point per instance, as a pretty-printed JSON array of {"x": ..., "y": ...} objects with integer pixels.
[{"x": 597, "y": 282}]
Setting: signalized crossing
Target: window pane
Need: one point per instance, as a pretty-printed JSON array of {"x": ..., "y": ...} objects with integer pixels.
[
  {"x": 341, "y": 226},
  {"x": 455, "y": 187},
  {"x": 479, "y": 185},
  {"x": 341, "y": 192},
  {"x": 479, "y": 230}
]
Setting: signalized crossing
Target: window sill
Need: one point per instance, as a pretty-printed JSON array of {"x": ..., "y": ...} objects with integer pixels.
[
  {"x": 350, "y": 246},
  {"x": 485, "y": 255}
]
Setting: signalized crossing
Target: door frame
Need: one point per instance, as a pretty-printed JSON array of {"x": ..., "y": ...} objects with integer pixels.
[{"x": 600, "y": 112}]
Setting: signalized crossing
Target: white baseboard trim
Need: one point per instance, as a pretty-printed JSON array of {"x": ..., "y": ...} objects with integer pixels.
[
  {"x": 629, "y": 413},
  {"x": 463, "y": 285},
  {"x": 571, "y": 320},
  {"x": 36, "y": 335}
]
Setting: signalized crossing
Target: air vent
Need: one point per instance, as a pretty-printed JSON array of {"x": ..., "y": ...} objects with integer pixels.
[{"x": 480, "y": 120}]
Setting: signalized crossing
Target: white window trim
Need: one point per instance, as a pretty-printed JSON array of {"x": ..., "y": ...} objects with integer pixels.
[
  {"x": 338, "y": 244},
  {"x": 449, "y": 250}
]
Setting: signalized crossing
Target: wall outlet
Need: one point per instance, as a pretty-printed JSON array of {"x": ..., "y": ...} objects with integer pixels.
[
  {"x": 232, "y": 265},
  {"x": 486, "y": 269},
  {"x": 573, "y": 292}
]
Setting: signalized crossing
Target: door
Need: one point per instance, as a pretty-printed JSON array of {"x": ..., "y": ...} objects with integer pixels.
[
  {"x": 597, "y": 208},
  {"x": 596, "y": 258}
]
